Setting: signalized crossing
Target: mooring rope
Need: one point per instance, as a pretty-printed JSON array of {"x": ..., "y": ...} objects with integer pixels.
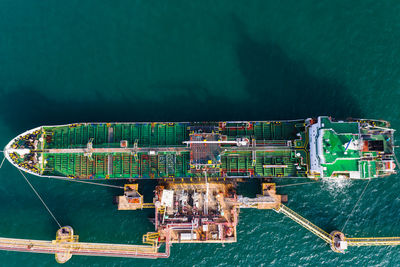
[
  {"x": 297, "y": 184},
  {"x": 37, "y": 194},
  {"x": 2, "y": 162},
  {"x": 84, "y": 182},
  {"x": 351, "y": 213},
  {"x": 395, "y": 158},
  {"x": 394, "y": 154}
]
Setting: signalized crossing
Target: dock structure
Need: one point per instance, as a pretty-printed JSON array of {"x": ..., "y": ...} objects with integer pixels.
[
  {"x": 214, "y": 217},
  {"x": 64, "y": 249},
  {"x": 304, "y": 222},
  {"x": 338, "y": 241},
  {"x": 183, "y": 215},
  {"x": 198, "y": 212},
  {"x": 197, "y": 166}
]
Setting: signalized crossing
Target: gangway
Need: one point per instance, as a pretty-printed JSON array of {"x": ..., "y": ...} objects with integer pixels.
[
  {"x": 373, "y": 241},
  {"x": 336, "y": 239},
  {"x": 305, "y": 223}
]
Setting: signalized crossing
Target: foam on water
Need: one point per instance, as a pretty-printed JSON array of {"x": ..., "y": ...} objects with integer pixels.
[{"x": 336, "y": 186}]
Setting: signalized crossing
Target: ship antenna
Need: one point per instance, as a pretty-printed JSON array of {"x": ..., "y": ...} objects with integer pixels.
[{"x": 37, "y": 194}]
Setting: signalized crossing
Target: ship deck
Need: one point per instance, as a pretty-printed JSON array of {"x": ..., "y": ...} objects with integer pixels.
[
  {"x": 314, "y": 148},
  {"x": 156, "y": 150}
]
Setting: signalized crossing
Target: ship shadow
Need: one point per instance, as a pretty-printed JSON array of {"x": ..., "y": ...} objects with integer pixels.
[
  {"x": 24, "y": 108},
  {"x": 276, "y": 87},
  {"x": 282, "y": 88}
]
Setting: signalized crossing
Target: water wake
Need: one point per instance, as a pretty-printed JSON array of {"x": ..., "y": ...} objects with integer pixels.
[{"x": 336, "y": 186}]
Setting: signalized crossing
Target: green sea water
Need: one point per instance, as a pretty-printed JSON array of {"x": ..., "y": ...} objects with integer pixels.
[{"x": 77, "y": 61}]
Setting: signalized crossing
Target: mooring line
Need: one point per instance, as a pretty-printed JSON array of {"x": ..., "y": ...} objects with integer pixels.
[
  {"x": 37, "y": 194},
  {"x": 351, "y": 213},
  {"x": 84, "y": 182},
  {"x": 395, "y": 158},
  {"x": 2, "y": 162},
  {"x": 297, "y": 184}
]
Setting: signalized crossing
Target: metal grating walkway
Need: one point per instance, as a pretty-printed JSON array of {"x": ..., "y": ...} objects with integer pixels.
[{"x": 366, "y": 241}]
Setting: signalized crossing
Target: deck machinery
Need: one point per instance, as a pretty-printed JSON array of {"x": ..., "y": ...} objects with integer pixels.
[
  {"x": 199, "y": 164},
  {"x": 199, "y": 212}
]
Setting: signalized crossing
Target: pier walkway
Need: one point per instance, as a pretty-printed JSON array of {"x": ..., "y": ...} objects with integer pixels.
[
  {"x": 66, "y": 244},
  {"x": 305, "y": 223},
  {"x": 366, "y": 241},
  {"x": 373, "y": 241},
  {"x": 63, "y": 250}
]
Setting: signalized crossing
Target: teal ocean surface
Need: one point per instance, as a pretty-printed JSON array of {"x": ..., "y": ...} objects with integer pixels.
[{"x": 77, "y": 61}]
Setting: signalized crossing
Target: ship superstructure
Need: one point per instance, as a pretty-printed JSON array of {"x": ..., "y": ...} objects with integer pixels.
[{"x": 315, "y": 148}]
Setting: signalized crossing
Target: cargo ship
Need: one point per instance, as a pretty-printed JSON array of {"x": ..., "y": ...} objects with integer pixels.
[
  {"x": 311, "y": 148},
  {"x": 198, "y": 166}
]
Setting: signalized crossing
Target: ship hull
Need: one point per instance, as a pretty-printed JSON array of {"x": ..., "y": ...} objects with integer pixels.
[{"x": 216, "y": 150}]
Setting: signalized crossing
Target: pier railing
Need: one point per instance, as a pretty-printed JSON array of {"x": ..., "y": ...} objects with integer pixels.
[
  {"x": 89, "y": 249},
  {"x": 364, "y": 241},
  {"x": 373, "y": 241},
  {"x": 305, "y": 223}
]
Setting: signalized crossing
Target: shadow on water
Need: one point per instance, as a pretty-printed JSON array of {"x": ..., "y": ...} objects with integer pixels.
[
  {"x": 277, "y": 87},
  {"x": 282, "y": 88}
]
